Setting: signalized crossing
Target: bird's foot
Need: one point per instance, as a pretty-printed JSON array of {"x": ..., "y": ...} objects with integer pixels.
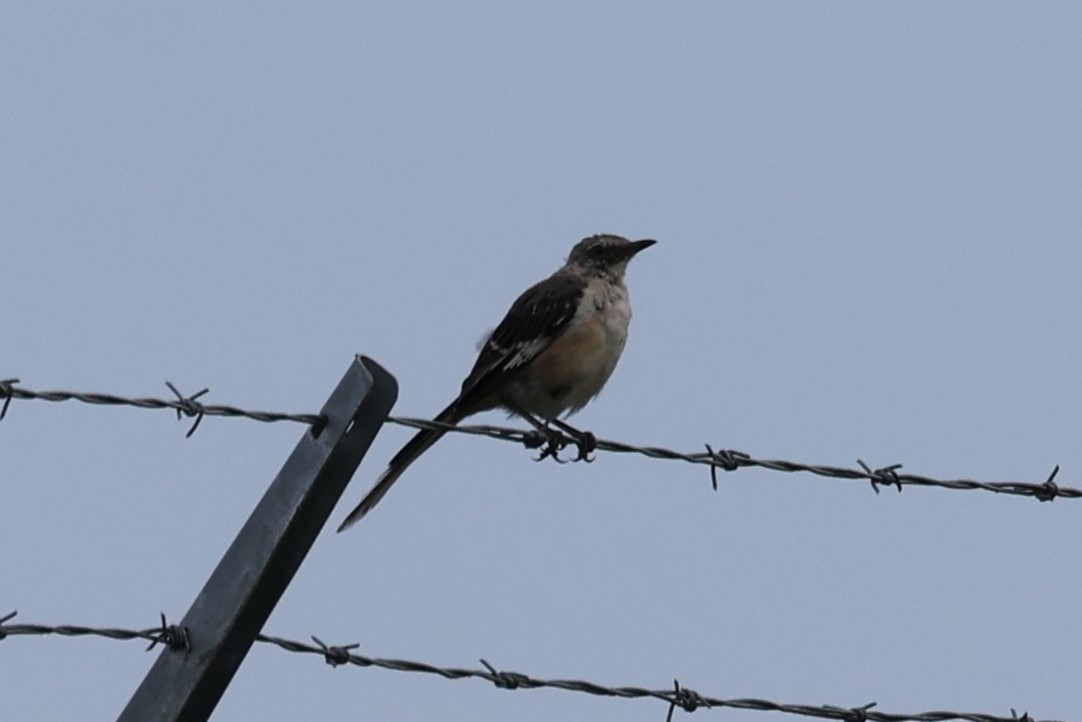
[
  {"x": 554, "y": 442},
  {"x": 587, "y": 445},
  {"x": 585, "y": 441}
]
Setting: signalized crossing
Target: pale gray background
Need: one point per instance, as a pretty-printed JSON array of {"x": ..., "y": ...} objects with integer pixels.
[{"x": 869, "y": 233}]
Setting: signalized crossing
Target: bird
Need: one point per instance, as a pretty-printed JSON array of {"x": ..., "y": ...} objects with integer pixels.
[{"x": 551, "y": 354}]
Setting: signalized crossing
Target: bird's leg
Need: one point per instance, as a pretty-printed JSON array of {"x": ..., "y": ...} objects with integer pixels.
[
  {"x": 554, "y": 439},
  {"x": 585, "y": 440}
]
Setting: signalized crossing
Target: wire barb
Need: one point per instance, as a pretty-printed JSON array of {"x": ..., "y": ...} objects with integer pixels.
[
  {"x": 854, "y": 714},
  {"x": 505, "y": 680},
  {"x": 335, "y": 656},
  {"x": 172, "y": 636},
  {"x": 713, "y": 469},
  {"x": 188, "y": 406},
  {"x": 4, "y": 620},
  {"x": 887, "y": 476},
  {"x": 1049, "y": 490},
  {"x": 7, "y": 392},
  {"x": 726, "y": 459},
  {"x": 687, "y": 699}
]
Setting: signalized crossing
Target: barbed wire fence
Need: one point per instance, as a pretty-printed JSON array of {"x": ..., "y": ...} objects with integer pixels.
[
  {"x": 553, "y": 442},
  {"x": 550, "y": 444},
  {"x": 176, "y": 638}
]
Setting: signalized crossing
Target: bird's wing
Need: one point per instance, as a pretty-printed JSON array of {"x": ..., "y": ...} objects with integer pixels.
[{"x": 538, "y": 317}]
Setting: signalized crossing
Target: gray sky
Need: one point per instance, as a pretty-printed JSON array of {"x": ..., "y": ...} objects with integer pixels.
[{"x": 870, "y": 245}]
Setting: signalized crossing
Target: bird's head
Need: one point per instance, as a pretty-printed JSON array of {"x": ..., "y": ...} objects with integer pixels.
[{"x": 605, "y": 254}]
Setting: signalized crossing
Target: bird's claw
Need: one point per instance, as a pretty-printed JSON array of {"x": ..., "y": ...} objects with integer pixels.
[
  {"x": 587, "y": 445},
  {"x": 553, "y": 444},
  {"x": 556, "y": 441}
]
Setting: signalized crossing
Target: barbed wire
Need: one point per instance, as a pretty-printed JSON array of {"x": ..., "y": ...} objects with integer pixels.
[
  {"x": 730, "y": 460},
  {"x": 176, "y": 638},
  {"x": 185, "y": 406},
  {"x": 171, "y": 635},
  {"x": 554, "y": 441}
]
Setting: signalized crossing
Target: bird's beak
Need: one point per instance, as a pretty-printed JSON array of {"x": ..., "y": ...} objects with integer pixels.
[{"x": 637, "y": 246}]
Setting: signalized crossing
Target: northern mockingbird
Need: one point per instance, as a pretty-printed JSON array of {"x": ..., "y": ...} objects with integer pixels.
[{"x": 551, "y": 354}]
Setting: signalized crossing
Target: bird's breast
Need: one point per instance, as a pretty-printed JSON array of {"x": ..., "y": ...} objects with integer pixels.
[{"x": 576, "y": 366}]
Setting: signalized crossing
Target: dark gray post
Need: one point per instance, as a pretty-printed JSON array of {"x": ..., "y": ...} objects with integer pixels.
[{"x": 241, "y": 593}]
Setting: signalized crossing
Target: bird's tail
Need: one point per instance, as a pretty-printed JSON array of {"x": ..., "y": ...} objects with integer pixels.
[{"x": 416, "y": 446}]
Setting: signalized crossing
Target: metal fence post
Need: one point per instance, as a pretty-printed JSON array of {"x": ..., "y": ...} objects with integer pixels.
[{"x": 245, "y": 587}]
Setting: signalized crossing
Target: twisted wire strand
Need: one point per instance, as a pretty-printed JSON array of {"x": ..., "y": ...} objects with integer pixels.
[
  {"x": 185, "y": 406},
  {"x": 731, "y": 460},
  {"x": 176, "y": 638},
  {"x": 555, "y": 440}
]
